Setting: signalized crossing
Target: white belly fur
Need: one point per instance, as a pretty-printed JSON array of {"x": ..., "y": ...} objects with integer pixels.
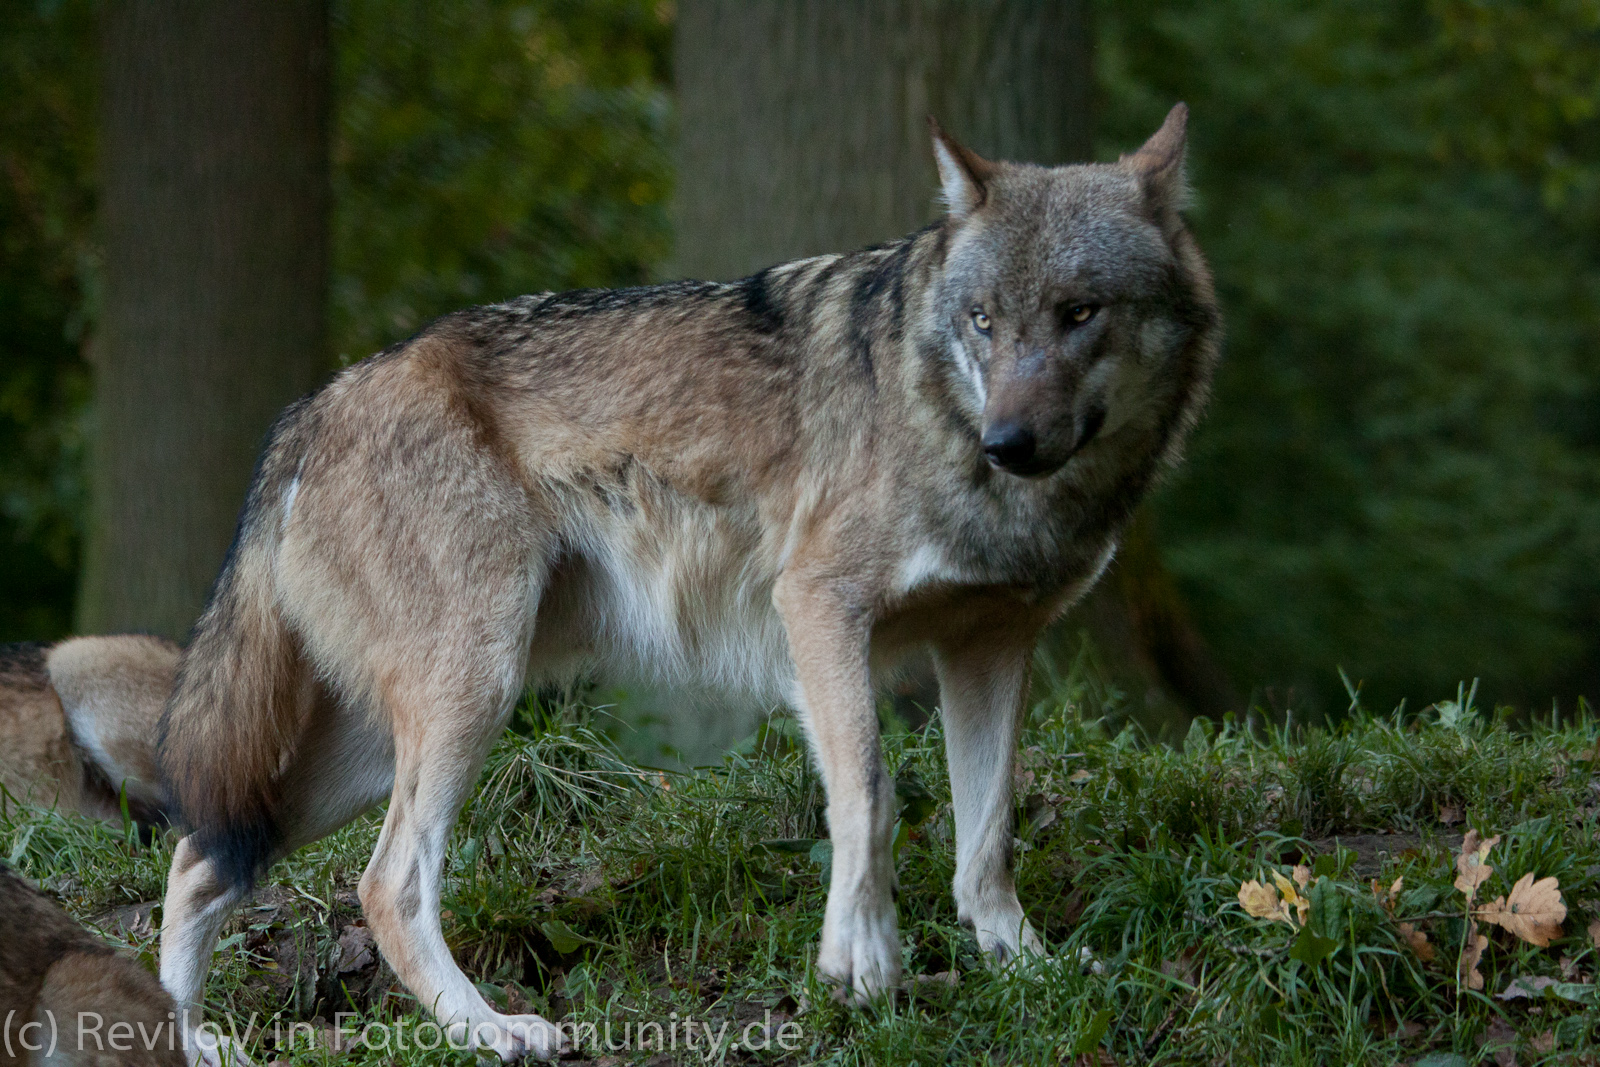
[{"x": 674, "y": 593}]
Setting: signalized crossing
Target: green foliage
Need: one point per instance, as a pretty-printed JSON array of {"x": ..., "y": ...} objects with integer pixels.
[
  {"x": 491, "y": 148},
  {"x": 46, "y": 278},
  {"x": 1401, "y": 471}
]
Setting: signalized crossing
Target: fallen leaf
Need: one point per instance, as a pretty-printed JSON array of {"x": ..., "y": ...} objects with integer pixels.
[
  {"x": 1545, "y": 1042},
  {"x": 355, "y": 949},
  {"x": 1474, "y": 871},
  {"x": 1500, "y": 1042},
  {"x": 1408, "y": 1030},
  {"x": 1291, "y": 898},
  {"x": 1081, "y": 775},
  {"x": 1526, "y": 986},
  {"x": 1594, "y": 933},
  {"x": 1418, "y": 942},
  {"x": 1262, "y": 902},
  {"x": 1468, "y": 971},
  {"x": 943, "y": 980},
  {"x": 1532, "y": 910},
  {"x": 1302, "y": 875},
  {"x": 1449, "y": 814}
]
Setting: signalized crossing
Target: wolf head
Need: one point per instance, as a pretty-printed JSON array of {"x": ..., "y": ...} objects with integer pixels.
[{"x": 1062, "y": 292}]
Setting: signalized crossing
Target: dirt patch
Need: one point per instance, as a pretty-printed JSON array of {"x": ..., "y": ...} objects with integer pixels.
[{"x": 1374, "y": 851}]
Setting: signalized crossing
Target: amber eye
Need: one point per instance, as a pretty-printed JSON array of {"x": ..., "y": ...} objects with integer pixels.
[
  {"x": 1078, "y": 314},
  {"x": 980, "y": 319}
]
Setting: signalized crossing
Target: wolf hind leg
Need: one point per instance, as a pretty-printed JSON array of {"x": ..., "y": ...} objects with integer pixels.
[
  {"x": 981, "y": 692},
  {"x": 198, "y": 902},
  {"x": 343, "y": 765},
  {"x": 444, "y": 727}
]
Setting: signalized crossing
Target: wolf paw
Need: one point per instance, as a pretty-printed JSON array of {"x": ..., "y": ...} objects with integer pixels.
[
  {"x": 208, "y": 1050},
  {"x": 861, "y": 954},
  {"x": 517, "y": 1037},
  {"x": 1005, "y": 933}
]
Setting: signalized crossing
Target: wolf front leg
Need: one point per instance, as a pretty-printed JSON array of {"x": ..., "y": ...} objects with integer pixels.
[
  {"x": 828, "y": 640},
  {"x": 982, "y": 687}
]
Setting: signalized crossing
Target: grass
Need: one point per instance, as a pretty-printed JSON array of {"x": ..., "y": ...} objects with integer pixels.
[{"x": 586, "y": 888}]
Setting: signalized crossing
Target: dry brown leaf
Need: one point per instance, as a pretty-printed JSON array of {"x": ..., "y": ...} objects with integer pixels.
[
  {"x": 1470, "y": 976},
  {"x": 1262, "y": 902},
  {"x": 1387, "y": 899},
  {"x": 1594, "y": 933},
  {"x": 1418, "y": 942},
  {"x": 1545, "y": 1043},
  {"x": 1449, "y": 814},
  {"x": 1532, "y": 910},
  {"x": 1292, "y": 899},
  {"x": 1302, "y": 875},
  {"x": 1530, "y": 987},
  {"x": 1079, "y": 776},
  {"x": 1499, "y": 1042},
  {"x": 1474, "y": 871}
]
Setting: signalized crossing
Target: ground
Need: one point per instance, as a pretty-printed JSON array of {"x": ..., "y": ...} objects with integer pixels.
[{"x": 594, "y": 891}]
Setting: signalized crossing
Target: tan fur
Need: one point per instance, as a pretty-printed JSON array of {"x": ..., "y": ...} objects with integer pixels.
[
  {"x": 784, "y": 486},
  {"x": 78, "y": 723},
  {"x": 87, "y": 1004}
]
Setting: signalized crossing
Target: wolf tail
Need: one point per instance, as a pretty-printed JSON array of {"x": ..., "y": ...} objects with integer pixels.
[{"x": 242, "y": 694}]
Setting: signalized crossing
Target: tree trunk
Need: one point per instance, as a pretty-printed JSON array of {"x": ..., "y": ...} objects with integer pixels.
[
  {"x": 214, "y": 165},
  {"x": 803, "y": 123}
]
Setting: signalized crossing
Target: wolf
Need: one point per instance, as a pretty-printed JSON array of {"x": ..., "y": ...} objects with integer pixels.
[
  {"x": 67, "y": 999},
  {"x": 78, "y": 725},
  {"x": 781, "y": 485}
]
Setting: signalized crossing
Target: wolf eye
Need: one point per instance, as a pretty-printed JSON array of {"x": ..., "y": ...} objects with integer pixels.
[
  {"x": 980, "y": 319},
  {"x": 1078, "y": 314}
]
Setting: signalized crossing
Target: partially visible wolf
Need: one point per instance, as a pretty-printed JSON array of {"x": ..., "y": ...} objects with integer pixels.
[
  {"x": 779, "y": 485},
  {"x": 67, "y": 999},
  {"x": 78, "y": 724}
]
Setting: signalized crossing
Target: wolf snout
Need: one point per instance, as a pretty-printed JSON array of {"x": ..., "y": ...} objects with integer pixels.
[{"x": 1011, "y": 447}]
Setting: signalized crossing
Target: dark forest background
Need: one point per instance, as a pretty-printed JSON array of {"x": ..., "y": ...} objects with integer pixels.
[{"x": 1399, "y": 476}]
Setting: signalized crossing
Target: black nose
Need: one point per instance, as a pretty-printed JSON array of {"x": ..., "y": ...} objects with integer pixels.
[{"x": 1009, "y": 446}]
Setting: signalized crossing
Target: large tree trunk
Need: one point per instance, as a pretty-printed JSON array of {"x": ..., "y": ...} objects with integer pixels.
[
  {"x": 214, "y": 163},
  {"x": 803, "y": 123}
]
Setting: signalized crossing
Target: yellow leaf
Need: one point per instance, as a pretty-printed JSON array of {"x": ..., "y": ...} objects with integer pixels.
[
  {"x": 1262, "y": 902},
  {"x": 1418, "y": 942},
  {"x": 1532, "y": 910},
  {"x": 1474, "y": 871},
  {"x": 1292, "y": 899},
  {"x": 1470, "y": 975},
  {"x": 1258, "y": 900}
]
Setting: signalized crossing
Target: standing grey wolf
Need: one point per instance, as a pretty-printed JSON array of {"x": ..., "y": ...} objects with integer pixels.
[
  {"x": 778, "y": 485},
  {"x": 67, "y": 999},
  {"x": 78, "y": 724}
]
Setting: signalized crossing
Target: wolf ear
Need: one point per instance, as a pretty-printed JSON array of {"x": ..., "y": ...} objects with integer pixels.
[
  {"x": 1158, "y": 164},
  {"x": 963, "y": 174}
]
